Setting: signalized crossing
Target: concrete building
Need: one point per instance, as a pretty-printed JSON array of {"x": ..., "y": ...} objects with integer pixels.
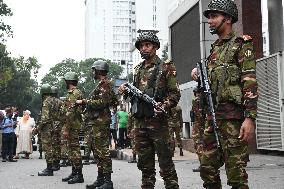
[{"x": 110, "y": 30}]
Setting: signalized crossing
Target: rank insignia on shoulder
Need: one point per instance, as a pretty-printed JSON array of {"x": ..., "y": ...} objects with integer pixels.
[{"x": 247, "y": 38}]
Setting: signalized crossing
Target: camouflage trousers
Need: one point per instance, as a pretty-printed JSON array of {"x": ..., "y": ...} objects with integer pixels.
[
  {"x": 175, "y": 131},
  {"x": 39, "y": 142},
  {"x": 234, "y": 154},
  {"x": 88, "y": 139},
  {"x": 64, "y": 148},
  {"x": 100, "y": 146},
  {"x": 74, "y": 153},
  {"x": 49, "y": 143},
  {"x": 197, "y": 135},
  {"x": 147, "y": 142}
]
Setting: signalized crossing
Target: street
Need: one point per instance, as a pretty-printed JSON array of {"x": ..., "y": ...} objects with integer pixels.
[{"x": 265, "y": 171}]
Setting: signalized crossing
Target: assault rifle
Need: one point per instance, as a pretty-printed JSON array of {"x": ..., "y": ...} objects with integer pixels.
[
  {"x": 204, "y": 85},
  {"x": 134, "y": 92}
]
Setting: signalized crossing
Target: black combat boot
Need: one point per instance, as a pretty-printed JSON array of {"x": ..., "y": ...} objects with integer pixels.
[
  {"x": 180, "y": 152},
  {"x": 86, "y": 162},
  {"x": 133, "y": 159},
  {"x": 108, "y": 183},
  {"x": 46, "y": 172},
  {"x": 56, "y": 166},
  {"x": 99, "y": 182},
  {"x": 77, "y": 178},
  {"x": 66, "y": 179},
  {"x": 40, "y": 155},
  {"x": 196, "y": 169},
  {"x": 63, "y": 163}
]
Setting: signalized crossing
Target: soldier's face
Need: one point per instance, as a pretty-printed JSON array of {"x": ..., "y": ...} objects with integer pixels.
[{"x": 147, "y": 50}]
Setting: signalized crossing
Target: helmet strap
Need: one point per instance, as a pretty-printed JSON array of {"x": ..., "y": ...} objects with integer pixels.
[
  {"x": 216, "y": 30},
  {"x": 145, "y": 56}
]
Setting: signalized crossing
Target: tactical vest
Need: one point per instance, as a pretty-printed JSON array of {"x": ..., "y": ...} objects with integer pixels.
[
  {"x": 144, "y": 109},
  {"x": 225, "y": 74}
]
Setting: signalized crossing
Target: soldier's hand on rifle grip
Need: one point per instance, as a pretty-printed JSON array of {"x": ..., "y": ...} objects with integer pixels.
[
  {"x": 79, "y": 102},
  {"x": 194, "y": 74}
]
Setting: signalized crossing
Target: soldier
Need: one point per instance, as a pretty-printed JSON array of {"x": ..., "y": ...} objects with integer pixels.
[
  {"x": 49, "y": 106},
  {"x": 175, "y": 126},
  {"x": 231, "y": 72},
  {"x": 72, "y": 127},
  {"x": 197, "y": 117},
  {"x": 99, "y": 118},
  {"x": 57, "y": 126},
  {"x": 158, "y": 80},
  {"x": 130, "y": 135}
]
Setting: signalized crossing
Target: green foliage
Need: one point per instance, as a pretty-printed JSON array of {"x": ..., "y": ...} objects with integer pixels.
[
  {"x": 5, "y": 29},
  {"x": 6, "y": 66},
  {"x": 83, "y": 69}
]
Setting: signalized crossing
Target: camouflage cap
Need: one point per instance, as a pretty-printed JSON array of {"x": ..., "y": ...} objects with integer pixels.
[
  {"x": 100, "y": 65},
  {"x": 147, "y": 36},
  {"x": 71, "y": 76},
  {"x": 226, "y": 6}
]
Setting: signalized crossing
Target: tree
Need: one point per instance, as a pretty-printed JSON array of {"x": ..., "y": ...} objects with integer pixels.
[
  {"x": 6, "y": 67},
  {"x": 83, "y": 69},
  {"x": 5, "y": 30}
]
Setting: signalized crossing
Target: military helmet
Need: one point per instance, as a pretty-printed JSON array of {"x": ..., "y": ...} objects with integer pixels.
[
  {"x": 71, "y": 76},
  {"x": 54, "y": 90},
  {"x": 45, "y": 89},
  {"x": 226, "y": 6},
  {"x": 100, "y": 65},
  {"x": 147, "y": 36}
]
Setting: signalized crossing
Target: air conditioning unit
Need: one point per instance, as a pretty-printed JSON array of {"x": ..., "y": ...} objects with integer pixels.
[{"x": 270, "y": 119}]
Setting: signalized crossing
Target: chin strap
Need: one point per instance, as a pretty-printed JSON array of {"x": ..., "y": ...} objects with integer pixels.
[{"x": 215, "y": 30}]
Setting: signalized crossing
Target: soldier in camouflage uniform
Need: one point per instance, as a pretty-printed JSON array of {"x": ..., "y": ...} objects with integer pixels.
[
  {"x": 231, "y": 72},
  {"x": 175, "y": 126},
  {"x": 98, "y": 117},
  {"x": 198, "y": 118},
  {"x": 50, "y": 106},
  {"x": 57, "y": 126},
  {"x": 130, "y": 135},
  {"x": 158, "y": 80},
  {"x": 71, "y": 128}
]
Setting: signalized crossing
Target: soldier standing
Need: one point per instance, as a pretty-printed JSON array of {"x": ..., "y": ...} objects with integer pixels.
[
  {"x": 231, "y": 72},
  {"x": 57, "y": 126},
  {"x": 50, "y": 105},
  {"x": 158, "y": 80},
  {"x": 175, "y": 126},
  {"x": 130, "y": 135},
  {"x": 72, "y": 127},
  {"x": 197, "y": 117},
  {"x": 98, "y": 116}
]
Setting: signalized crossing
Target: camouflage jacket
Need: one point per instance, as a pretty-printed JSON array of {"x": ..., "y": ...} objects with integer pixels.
[
  {"x": 103, "y": 97},
  {"x": 167, "y": 88},
  {"x": 72, "y": 112},
  {"x": 231, "y": 72},
  {"x": 51, "y": 108},
  {"x": 175, "y": 118}
]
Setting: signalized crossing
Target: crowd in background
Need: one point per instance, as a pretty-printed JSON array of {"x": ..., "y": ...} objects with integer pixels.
[{"x": 16, "y": 134}]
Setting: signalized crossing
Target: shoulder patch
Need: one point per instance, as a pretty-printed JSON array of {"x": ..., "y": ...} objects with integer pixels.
[
  {"x": 247, "y": 38},
  {"x": 168, "y": 61}
]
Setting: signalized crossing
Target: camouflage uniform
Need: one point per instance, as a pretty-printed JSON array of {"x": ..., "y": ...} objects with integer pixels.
[
  {"x": 175, "y": 126},
  {"x": 130, "y": 134},
  {"x": 152, "y": 133},
  {"x": 72, "y": 126},
  {"x": 231, "y": 72},
  {"x": 51, "y": 105},
  {"x": 88, "y": 139},
  {"x": 198, "y": 123},
  {"x": 63, "y": 148},
  {"x": 98, "y": 117}
]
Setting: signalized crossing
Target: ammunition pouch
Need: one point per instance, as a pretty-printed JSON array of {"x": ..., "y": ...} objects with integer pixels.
[{"x": 226, "y": 83}]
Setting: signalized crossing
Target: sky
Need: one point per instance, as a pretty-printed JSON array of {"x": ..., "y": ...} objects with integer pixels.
[{"x": 50, "y": 30}]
